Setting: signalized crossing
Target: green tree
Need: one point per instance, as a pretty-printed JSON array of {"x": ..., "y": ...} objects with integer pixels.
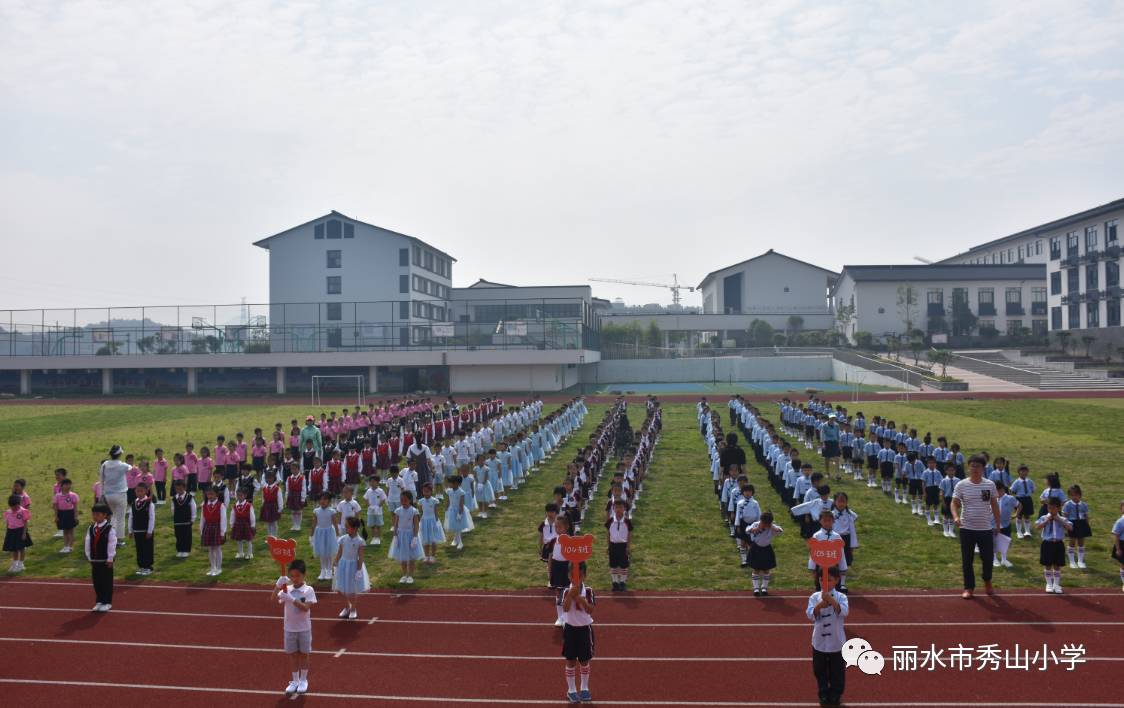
[
  {"x": 1063, "y": 341},
  {"x": 963, "y": 319},
  {"x": 760, "y": 333},
  {"x": 655, "y": 336},
  {"x": 779, "y": 339},
  {"x": 908, "y": 310},
  {"x": 915, "y": 346},
  {"x": 1088, "y": 340},
  {"x": 795, "y": 322},
  {"x": 864, "y": 340},
  {"x": 942, "y": 358}
]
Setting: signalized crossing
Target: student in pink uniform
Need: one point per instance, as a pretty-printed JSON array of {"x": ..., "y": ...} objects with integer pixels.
[
  {"x": 17, "y": 538},
  {"x": 180, "y": 471},
  {"x": 66, "y": 514},
  {"x": 191, "y": 461},
  {"x": 18, "y": 487},
  {"x": 160, "y": 475},
  {"x": 206, "y": 468}
]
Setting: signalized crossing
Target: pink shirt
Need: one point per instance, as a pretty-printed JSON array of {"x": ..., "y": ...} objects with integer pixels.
[
  {"x": 132, "y": 477},
  {"x": 25, "y": 501},
  {"x": 179, "y": 472},
  {"x": 17, "y": 519},
  {"x": 240, "y": 451},
  {"x": 192, "y": 461},
  {"x": 294, "y": 440},
  {"x": 206, "y": 466},
  {"x": 160, "y": 469},
  {"x": 220, "y": 456},
  {"x": 258, "y": 451},
  {"x": 97, "y": 490},
  {"x": 276, "y": 447},
  {"x": 148, "y": 479},
  {"x": 66, "y": 502}
]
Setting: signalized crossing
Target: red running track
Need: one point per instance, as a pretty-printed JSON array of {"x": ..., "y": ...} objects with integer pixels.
[{"x": 190, "y": 646}]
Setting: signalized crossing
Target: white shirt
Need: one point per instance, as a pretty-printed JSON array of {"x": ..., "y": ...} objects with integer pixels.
[
  {"x": 408, "y": 480},
  {"x": 295, "y": 619},
  {"x": 828, "y": 634},
  {"x": 975, "y": 504},
  {"x": 112, "y": 477},
  {"x": 351, "y": 545},
  {"x": 577, "y": 617},
  {"x": 375, "y": 497},
  {"x": 618, "y": 529},
  {"x": 347, "y": 509}
]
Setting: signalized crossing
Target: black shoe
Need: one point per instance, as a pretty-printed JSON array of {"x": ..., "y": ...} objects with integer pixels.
[
  {"x": 745, "y": 564},
  {"x": 843, "y": 589},
  {"x": 624, "y": 587},
  {"x": 757, "y": 593},
  {"x": 764, "y": 592}
]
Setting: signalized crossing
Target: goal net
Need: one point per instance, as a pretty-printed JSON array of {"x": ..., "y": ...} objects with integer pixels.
[{"x": 339, "y": 386}]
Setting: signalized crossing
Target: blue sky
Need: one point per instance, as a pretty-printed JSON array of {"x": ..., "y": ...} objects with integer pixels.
[{"x": 146, "y": 145}]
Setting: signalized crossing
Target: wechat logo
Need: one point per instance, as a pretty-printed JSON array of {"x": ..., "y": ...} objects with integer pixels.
[{"x": 858, "y": 652}]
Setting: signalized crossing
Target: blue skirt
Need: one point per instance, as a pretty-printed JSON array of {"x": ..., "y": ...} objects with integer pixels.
[
  {"x": 485, "y": 493},
  {"x": 344, "y": 580},
  {"x": 458, "y": 520},
  {"x": 431, "y": 531},
  {"x": 400, "y": 547},
  {"x": 508, "y": 476},
  {"x": 324, "y": 542}
]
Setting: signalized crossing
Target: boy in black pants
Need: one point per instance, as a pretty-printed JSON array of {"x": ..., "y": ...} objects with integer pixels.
[
  {"x": 101, "y": 547},
  {"x": 183, "y": 517},
  {"x": 826, "y": 609}
]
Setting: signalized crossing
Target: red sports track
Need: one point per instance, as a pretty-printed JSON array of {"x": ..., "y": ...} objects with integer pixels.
[{"x": 192, "y": 646}]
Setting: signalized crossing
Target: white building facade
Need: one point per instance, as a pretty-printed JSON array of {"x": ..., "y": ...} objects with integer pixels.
[
  {"x": 957, "y": 300},
  {"x": 772, "y": 287}
]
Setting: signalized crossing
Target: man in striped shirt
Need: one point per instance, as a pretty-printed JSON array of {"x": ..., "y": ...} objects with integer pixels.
[{"x": 976, "y": 512}]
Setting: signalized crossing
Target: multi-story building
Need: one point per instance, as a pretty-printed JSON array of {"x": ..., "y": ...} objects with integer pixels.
[{"x": 961, "y": 301}]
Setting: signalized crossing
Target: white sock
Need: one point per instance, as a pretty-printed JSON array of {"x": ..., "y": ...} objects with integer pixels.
[
  {"x": 1057, "y": 578},
  {"x": 558, "y": 609},
  {"x": 584, "y": 670},
  {"x": 757, "y": 581},
  {"x": 1049, "y": 577},
  {"x": 1122, "y": 574},
  {"x": 765, "y": 578},
  {"x": 296, "y": 675},
  {"x": 1069, "y": 554},
  {"x": 304, "y": 674},
  {"x": 842, "y": 577},
  {"x": 571, "y": 683},
  {"x": 1080, "y": 554}
]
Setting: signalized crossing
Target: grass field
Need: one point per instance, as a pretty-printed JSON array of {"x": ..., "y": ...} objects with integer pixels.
[{"x": 679, "y": 541}]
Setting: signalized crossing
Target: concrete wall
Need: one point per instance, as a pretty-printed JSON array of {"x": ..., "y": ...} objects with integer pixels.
[
  {"x": 764, "y": 283},
  {"x": 699, "y": 322},
  {"x": 811, "y": 368},
  {"x": 466, "y": 379}
]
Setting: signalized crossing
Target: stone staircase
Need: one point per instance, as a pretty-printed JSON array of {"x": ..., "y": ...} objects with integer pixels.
[{"x": 996, "y": 365}]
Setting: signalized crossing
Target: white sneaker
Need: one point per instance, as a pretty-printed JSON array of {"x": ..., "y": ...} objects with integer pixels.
[
  {"x": 291, "y": 688},
  {"x": 1058, "y": 589},
  {"x": 97, "y": 607},
  {"x": 1050, "y": 587},
  {"x": 343, "y": 613},
  {"x": 460, "y": 546},
  {"x": 1081, "y": 565},
  {"x": 106, "y": 607},
  {"x": 377, "y": 541},
  {"x": 238, "y": 555},
  {"x": 558, "y": 622},
  {"x": 353, "y": 615},
  {"x": 218, "y": 571},
  {"x": 409, "y": 580},
  {"x": 1073, "y": 564},
  {"x": 65, "y": 549},
  {"x": 1007, "y": 564},
  {"x": 402, "y": 580},
  {"x": 58, "y": 534}
]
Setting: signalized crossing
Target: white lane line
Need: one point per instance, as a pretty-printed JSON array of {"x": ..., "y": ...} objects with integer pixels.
[
  {"x": 643, "y": 625},
  {"x": 372, "y": 621},
  {"x": 1021, "y": 593},
  {"x": 545, "y": 701},
  {"x": 338, "y": 654}
]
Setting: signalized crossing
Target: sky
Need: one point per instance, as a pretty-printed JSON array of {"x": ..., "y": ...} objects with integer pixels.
[{"x": 145, "y": 146}]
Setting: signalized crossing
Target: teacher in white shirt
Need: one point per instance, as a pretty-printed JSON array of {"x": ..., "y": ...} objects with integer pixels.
[{"x": 113, "y": 489}]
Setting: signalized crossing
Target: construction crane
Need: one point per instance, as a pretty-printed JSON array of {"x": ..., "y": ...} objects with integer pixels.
[{"x": 674, "y": 287}]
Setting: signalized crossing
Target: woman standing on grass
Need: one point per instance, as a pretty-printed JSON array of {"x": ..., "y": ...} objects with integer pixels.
[
  {"x": 976, "y": 512},
  {"x": 113, "y": 489}
]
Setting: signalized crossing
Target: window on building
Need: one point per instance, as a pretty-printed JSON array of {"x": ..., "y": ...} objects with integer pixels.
[
  {"x": 1056, "y": 283},
  {"x": 417, "y": 256},
  {"x": 936, "y": 296},
  {"x": 421, "y": 335},
  {"x": 1092, "y": 279},
  {"x": 335, "y": 229},
  {"x": 1072, "y": 280},
  {"x": 335, "y": 259},
  {"x": 1074, "y": 316},
  {"x": 1090, "y": 239},
  {"x": 428, "y": 261},
  {"x": 1038, "y": 301},
  {"x": 333, "y": 311},
  {"x": 1038, "y": 247},
  {"x": 1113, "y": 313},
  {"x": 1038, "y": 328},
  {"x": 1110, "y": 232},
  {"x": 1013, "y": 326},
  {"x": 1014, "y": 296},
  {"x": 987, "y": 301},
  {"x": 1071, "y": 243},
  {"x": 404, "y": 310},
  {"x": 318, "y": 231},
  {"x": 403, "y": 256},
  {"x": 1093, "y": 314},
  {"x": 1002, "y": 257},
  {"x": 335, "y": 285},
  {"x": 1111, "y": 274},
  {"x": 1021, "y": 253},
  {"x": 348, "y": 230},
  {"x": 1055, "y": 247},
  {"x": 1055, "y": 318},
  {"x": 985, "y": 324},
  {"x": 335, "y": 338},
  {"x": 439, "y": 313},
  {"x": 403, "y": 283}
]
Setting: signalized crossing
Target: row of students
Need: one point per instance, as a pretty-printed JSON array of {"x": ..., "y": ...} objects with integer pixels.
[
  {"x": 628, "y": 482},
  {"x": 916, "y": 474}
]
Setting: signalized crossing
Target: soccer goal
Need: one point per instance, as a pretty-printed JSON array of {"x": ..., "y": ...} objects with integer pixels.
[{"x": 339, "y": 384}]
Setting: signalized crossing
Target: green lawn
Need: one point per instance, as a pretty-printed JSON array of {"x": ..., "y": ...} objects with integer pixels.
[{"x": 679, "y": 540}]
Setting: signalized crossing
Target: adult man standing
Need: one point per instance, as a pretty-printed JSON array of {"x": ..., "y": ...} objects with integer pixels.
[
  {"x": 976, "y": 511},
  {"x": 831, "y": 451},
  {"x": 311, "y": 432},
  {"x": 114, "y": 488}
]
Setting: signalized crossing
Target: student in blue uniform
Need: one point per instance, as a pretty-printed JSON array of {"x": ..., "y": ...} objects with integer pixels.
[
  {"x": 1118, "y": 543},
  {"x": 747, "y": 513},
  {"x": 762, "y": 559},
  {"x": 1052, "y": 554},
  {"x": 948, "y": 485},
  {"x": 1007, "y": 506},
  {"x": 1076, "y": 512},
  {"x": 931, "y": 481},
  {"x": 845, "y": 526},
  {"x": 872, "y": 451},
  {"x": 1023, "y": 490},
  {"x": 914, "y": 477},
  {"x": 1053, "y": 490}
]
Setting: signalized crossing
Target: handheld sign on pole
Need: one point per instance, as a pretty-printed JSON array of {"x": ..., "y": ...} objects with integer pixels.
[
  {"x": 283, "y": 550},
  {"x": 825, "y": 554},
  {"x": 577, "y": 550}
]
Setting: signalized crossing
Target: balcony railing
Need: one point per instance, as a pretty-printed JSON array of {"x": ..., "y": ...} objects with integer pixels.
[
  {"x": 1112, "y": 291},
  {"x": 1092, "y": 295},
  {"x": 1015, "y": 308},
  {"x": 553, "y": 323},
  {"x": 987, "y": 310},
  {"x": 936, "y": 309},
  {"x": 1111, "y": 252},
  {"x": 1038, "y": 308}
]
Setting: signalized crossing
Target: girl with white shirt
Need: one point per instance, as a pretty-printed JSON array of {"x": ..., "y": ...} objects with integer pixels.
[
  {"x": 762, "y": 558},
  {"x": 350, "y": 577}
]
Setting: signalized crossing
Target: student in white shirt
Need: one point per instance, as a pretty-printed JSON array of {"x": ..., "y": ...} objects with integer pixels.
[
  {"x": 298, "y": 597},
  {"x": 827, "y": 609},
  {"x": 577, "y": 637}
]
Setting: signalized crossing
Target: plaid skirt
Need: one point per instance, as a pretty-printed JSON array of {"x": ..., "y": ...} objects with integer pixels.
[
  {"x": 242, "y": 531},
  {"x": 212, "y": 535},
  {"x": 269, "y": 512},
  {"x": 294, "y": 502}
]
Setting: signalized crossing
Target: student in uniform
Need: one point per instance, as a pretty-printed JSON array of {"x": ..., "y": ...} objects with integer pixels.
[
  {"x": 845, "y": 526},
  {"x": 101, "y": 548},
  {"x": 559, "y": 566},
  {"x": 142, "y": 527},
  {"x": 762, "y": 558},
  {"x": 577, "y": 637},
  {"x": 66, "y": 513},
  {"x": 547, "y": 536},
  {"x": 272, "y": 501},
  {"x": 1023, "y": 490},
  {"x": 17, "y": 537},
  {"x": 213, "y": 529},
  {"x": 298, "y": 597},
  {"x": 1053, "y": 490},
  {"x": 826, "y": 533},
  {"x": 243, "y": 525},
  {"x": 1076, "y": 512},
  {"x": 827, "y": 609},
  {"x": 948, "y": 485},
  {"x": 886, "y": 457},
  {"x": 1007, "y": 507},
  {"x": 1052, "y": 554},
  {"x": 747, "y": 513},
  {"x": 931, "y": 481},
  {"x": 183, "y": 517},
  {"x": 349, "y": 577},
  {"x": 620, "y": 538},
  {"x": 376, "y": 499},
  {"x": 1118, "y": 543}
]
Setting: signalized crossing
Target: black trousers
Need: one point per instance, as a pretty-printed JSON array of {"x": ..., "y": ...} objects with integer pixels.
[
  {"x": 183, "y": 538},
  {"x": 161, "y": 490},
  {"x": 968, "y": 542},
  {"x": 828, "y": 668},
  {"x": 145, "y": 549},
  {"x": 102, "y": 576}
]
